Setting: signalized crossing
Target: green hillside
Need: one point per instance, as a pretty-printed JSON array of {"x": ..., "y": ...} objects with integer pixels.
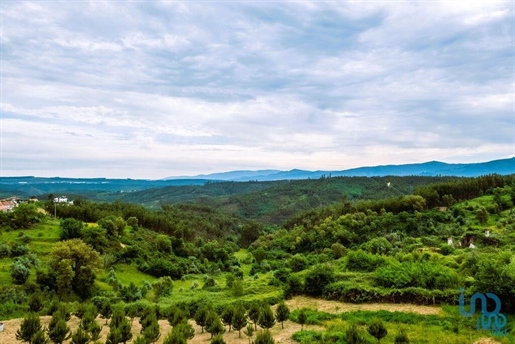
[{"x": 188, "y": 257}]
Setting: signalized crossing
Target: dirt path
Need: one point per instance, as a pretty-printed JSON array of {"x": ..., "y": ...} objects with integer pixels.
[
  {"x": 339, "y": 307},
  {"x": 282, "y": 336}
]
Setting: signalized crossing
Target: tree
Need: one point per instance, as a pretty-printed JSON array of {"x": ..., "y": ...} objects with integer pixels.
[
  {"x": 376, "y": 329},
  {"x": 94, "y": 329},
  {"x": 227, "y": 316},
  {"x": 259, "y": 255},
  {"x": 249, "y": 331},
  {"x": 180, "y": 334},
  {"x": 132, "y": 222},
  {"x": 64, "y": 277},
  {"x": 25, "y": 215},
  {"x": 201, "y": 316},
  {"x": 282, "y": 313},
  {"x": 143, "y": 340},
  {"x": 71, "y": 229},
  {"x": 39, "y": 338},
  {"x": 176, "y": 315},
  {"x": 117, "y": 317},
  {"x": 215, "y": 327},
  {"x": 120, "y": 327},
  {"x": 105, "y": 309},
  {"x": 482, "y": 215},
  {"x": 125, "y": 330},
  {"x": 114, "y": 336},
  {"x": 266, "y": 318},
  {"x": 58, "y": 330},
  {"x": 95, "y": 237},
  {"x": 162, "y": 287},
  {"x": 35, "y": 302},
  {"x": 151, "y": 332},
  {"x": 264, "y": 337},
  {"x": 218, "y": 339},
  {"x": 317, "y": 279},
  {"x": 253, "y": 312},
  {"x": 83, "y": 261},
  {"x": 302, "y": 318},
  {"x": 237, "y": 287},
  {"x": 19, "y": 272},
  {"x": 29, "y": 326},
  {"x": 239, "y": 320},
  {"x": 80, "y": 337},
  {"x": 114, "y": 225}
]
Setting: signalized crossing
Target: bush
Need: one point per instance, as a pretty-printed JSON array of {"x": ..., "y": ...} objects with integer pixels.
[
  {"x": 5, "y": 250},
  {"x": 71, "y": 229},
  {"x": 402, "y": 337},
  {"x": 307, "y": 336},
  {"x": 317, "y": 279},
  {"x": 378, "y": 246},
  {"x": 423, "y": 274},
  {"x": 376, "y": 329},
  {"x": 19, "y": 272},
  {"x": 362, "y": 261}
]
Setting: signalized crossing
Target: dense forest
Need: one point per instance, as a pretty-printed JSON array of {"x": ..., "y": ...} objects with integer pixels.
[{"x": 208, "y": 264}]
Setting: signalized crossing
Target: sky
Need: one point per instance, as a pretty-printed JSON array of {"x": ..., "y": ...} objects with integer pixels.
[{"x": 151, "y": 89}]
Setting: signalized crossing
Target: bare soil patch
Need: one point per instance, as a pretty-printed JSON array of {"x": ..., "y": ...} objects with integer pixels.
[{"x": 340, "y": 307}]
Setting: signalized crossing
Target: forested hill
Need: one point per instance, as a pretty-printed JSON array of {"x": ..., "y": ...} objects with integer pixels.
[{"x": 275, "y": 202}]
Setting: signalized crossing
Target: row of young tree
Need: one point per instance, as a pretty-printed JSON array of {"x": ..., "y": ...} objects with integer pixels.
[{"x": 120, "y": 319}]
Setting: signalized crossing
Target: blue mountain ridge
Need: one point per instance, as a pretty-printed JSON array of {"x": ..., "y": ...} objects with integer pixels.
[{"x": 431, "y": 168}]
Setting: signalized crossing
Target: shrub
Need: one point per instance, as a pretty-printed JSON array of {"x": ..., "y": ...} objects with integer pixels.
[
  {"x": 376, "y": 328},
  {"x": 19, "y": 272},
  {"x": 402, "y": 337},
  {"x": 362, "y": 261},
  {"x": 307, "y": 336},
  {"x": 317, "y": 279}
]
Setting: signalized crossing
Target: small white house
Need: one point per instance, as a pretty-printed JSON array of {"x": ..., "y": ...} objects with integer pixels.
[
  {"x": 62, "y": 199},
  {"x": 449, "y": 241},
  {"x": 487, "y": 233}
]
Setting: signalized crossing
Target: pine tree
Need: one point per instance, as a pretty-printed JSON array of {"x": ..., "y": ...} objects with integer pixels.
[
  {"x": 282, "y": 313},
  {"x": 114, "y": 336},
  {"x": 302, "y": 318},
  {"x": 201, "y": 316},
  {"x": 125, "y": 330},
  {"x": 151, "y": 331},
  {"x": 29, "y": 326},
  {"x": 253, "y": 312},
  {"x": 58, "y": 330},
  {"x": 117, "y": 318},
  {"x": 94, "y": 329},
  {"x": 140, "y": 340},
  {"x": 216, "y": 327},
  {"x": 264, "y": 337},
  {"x": 39, "y": 338},
  {"x": 249, "y": 331},
  {"x": 219, "y": 339},
  {"x": 227, "y": 316},
  {"x": 266, "y": 318},
  {"x": 80, "y": 336},
  {"x": 239, "y": 319}
]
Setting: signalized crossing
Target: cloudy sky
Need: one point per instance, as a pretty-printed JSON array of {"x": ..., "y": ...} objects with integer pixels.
[{"x": 150, "y": 89}]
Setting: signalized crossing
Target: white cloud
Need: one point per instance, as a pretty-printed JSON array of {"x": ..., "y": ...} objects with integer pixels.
[{"x": 152, "y": 89}]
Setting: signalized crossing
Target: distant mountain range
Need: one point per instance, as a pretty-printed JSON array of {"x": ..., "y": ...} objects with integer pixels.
[
  {"x": 431, "y": 168},
  {"x": 104, "y": 189}
]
